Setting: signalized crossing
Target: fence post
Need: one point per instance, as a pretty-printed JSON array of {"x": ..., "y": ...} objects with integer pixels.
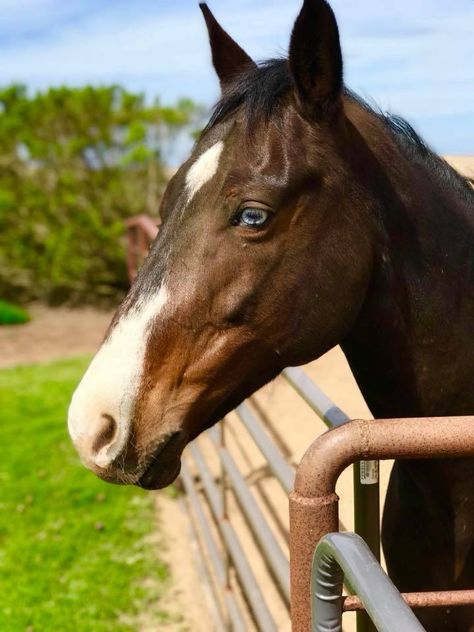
[{"x": 367, "y": 519}]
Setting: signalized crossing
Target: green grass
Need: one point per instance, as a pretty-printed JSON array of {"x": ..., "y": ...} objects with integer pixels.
[
  {"x": 12, "y": 314},
  {"x": 74, "y": 553}
]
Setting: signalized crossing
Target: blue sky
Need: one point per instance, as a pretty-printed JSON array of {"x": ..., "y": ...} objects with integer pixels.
[{"x": 412, "y": 57}]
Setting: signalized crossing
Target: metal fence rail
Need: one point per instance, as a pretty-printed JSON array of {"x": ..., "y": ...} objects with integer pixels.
[
  {"x": 240, "y": 562},
  {"x": 282, "y": 471},
  {"x": 213, "y": 488},
  {"x": 271, "y": 549},
  {"x": 340, "y": 555}
]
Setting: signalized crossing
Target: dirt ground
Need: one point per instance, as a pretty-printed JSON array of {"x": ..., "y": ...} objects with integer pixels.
[
  {"x": 52, "y": 334},
  {"x": 464, "y": 164}
]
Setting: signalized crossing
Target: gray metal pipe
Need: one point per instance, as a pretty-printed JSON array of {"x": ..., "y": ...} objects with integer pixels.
[
  {"x": 283, "y": 472},
  {"x": 316, "y": 399},
  {"x": 272, "y": 552},
  {"x": 340, "y": 555},
  {"x": 236, "y": 618},
  {"x": 242, "y": 566}
]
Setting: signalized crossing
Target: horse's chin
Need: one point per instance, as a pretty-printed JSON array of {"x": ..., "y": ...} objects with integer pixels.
[
  {"x": 165, "y": 464},
  {"x": 158, "y": 476}
]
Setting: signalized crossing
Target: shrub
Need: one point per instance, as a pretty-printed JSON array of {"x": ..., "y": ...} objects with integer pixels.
[{"x": 12, "y": 315}]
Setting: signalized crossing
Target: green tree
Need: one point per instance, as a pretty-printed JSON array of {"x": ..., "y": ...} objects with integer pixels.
[{"x": 74, "y": 162}]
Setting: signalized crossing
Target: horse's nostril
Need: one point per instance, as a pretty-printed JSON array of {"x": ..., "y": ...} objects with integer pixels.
[{"x": 106, "y": 433}]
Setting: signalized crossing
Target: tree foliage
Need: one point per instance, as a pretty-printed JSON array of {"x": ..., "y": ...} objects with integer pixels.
[{"x": 74, "y": 162}]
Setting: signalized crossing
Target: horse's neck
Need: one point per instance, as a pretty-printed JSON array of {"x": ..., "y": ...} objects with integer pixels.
[{"x": 410, "y": 348}]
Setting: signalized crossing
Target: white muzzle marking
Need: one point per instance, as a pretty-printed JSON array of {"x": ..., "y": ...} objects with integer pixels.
[{"x": 110, "y": 384}]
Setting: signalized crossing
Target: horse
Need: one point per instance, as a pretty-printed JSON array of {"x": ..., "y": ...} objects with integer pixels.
[{"x": 303, "y": 219}]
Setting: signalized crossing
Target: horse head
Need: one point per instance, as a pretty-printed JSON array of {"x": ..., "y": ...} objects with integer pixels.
[{"x": 258, "y": 265}]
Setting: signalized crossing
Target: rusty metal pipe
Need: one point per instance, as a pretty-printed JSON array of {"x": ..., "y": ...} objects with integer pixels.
[
  {"x": 310, "y": 520},
  {"x": 314, "y": 503},
  {"x": 148, "y": 225},
  {"x": 141, "y": 230},
  {"x": 434, "y": 599}
]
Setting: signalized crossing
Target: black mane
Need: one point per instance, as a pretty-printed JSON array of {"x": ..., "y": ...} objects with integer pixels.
[
  {"x": 260, "y": 92},
  {"x": 415, "y": 148}
]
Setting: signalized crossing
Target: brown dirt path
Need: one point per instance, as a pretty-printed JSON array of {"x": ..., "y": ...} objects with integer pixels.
[{"x": 52, "y": 334}]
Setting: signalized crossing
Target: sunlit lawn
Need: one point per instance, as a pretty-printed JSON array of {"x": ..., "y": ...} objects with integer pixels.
[{"x": 74, "y": 553}]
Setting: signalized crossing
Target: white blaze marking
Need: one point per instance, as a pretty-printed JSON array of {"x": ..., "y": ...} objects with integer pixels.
[
  {"x": 203, "y": 169},
  {"x": 110, "y": 384}
]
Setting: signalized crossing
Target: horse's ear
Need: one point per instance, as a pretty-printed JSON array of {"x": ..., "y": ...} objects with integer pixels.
[
  {"x": 315, "y": 58},
  {"x": 228, "y": 57}
]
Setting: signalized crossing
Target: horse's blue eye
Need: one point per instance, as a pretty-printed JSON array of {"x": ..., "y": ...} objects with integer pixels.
[{"x": 253, "y": 217}]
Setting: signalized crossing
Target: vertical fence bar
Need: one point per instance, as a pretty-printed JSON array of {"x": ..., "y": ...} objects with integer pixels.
[
  {"x": 367, "y": 519},
  {"x": 225, "y": 512}
]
